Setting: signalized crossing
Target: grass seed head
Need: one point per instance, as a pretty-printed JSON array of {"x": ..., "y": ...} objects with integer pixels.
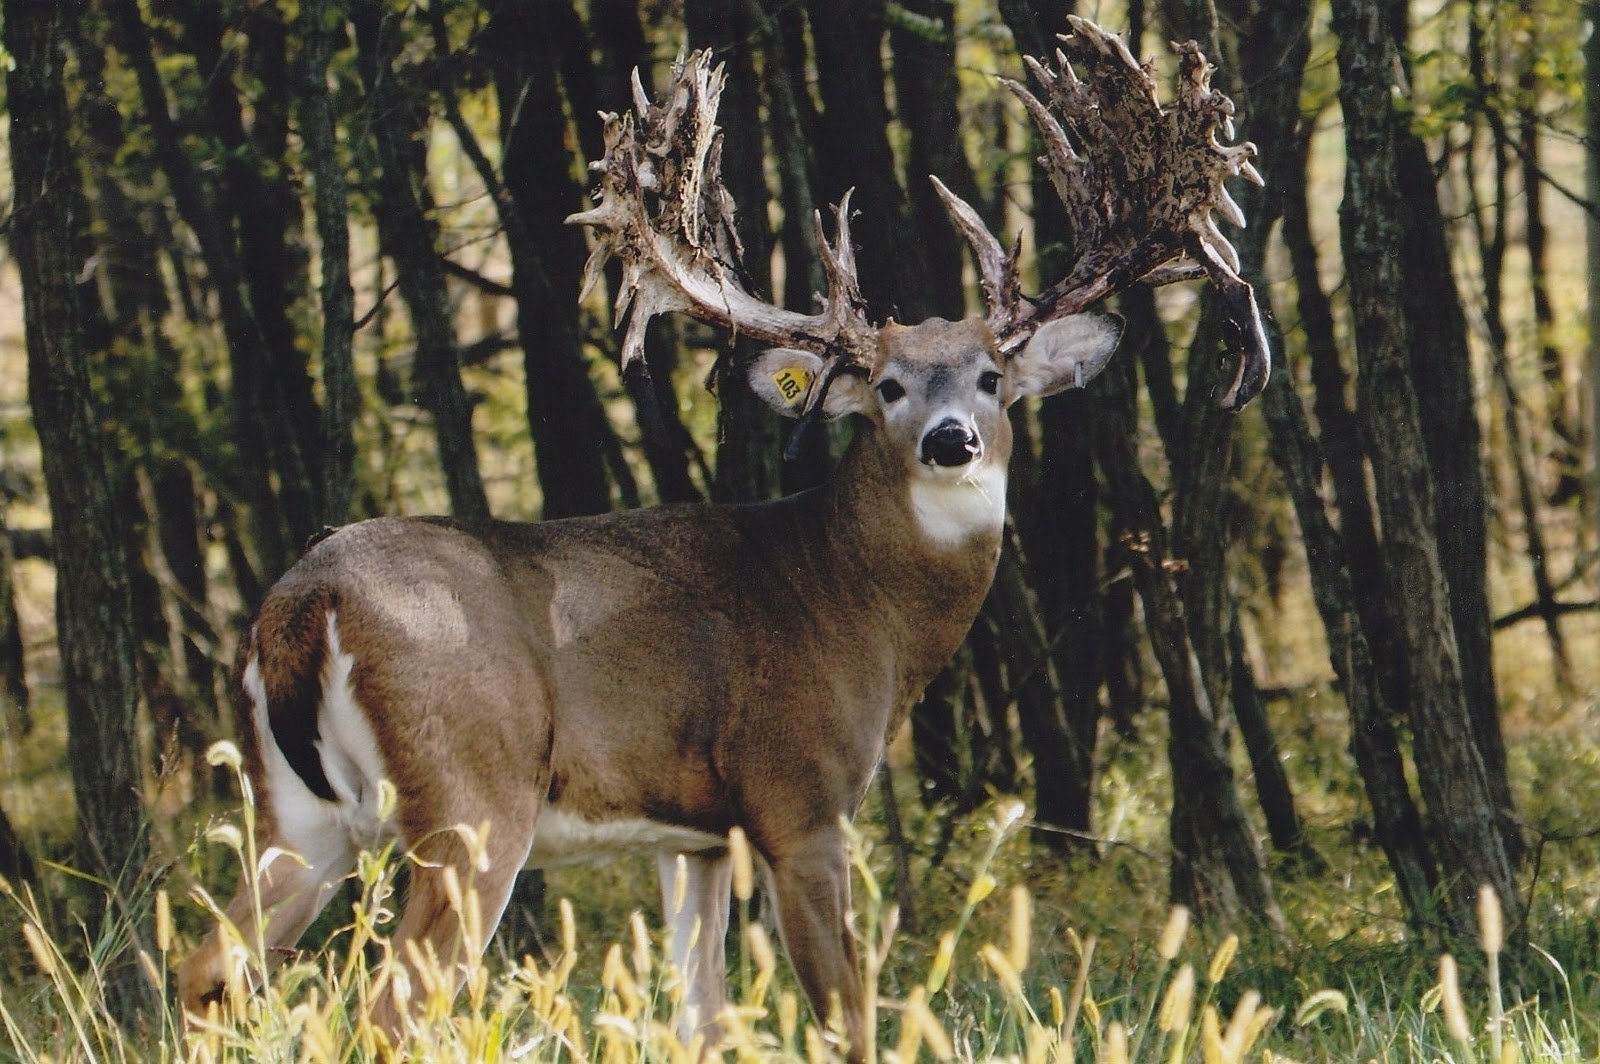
[
  {"x": 1021, "y": 929},
  {"x": 942, "y": 958},
  {"x": 1222, "y": 958},
  {"x": 43, "y": 955},
  {"x": 1491, "y": 923},
  {"x": 163, "y": 921},
  {"x": 744, "y": 885},
  {"x": 1455, "y": 1011},
  {"x": 224, "y": 754},
  {"x": 1173, "y": 934},
  {"x": 1177, "y": 1004},
  {"x": 1116, "y": 1044}
]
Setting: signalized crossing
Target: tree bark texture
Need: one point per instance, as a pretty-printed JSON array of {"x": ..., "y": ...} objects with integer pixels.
[
  {"x": 570, "y": 433},
  {"x": 1461, "y": 805},
  {"x": 749, "y": 436},
  {"x": 16, "y": 717},
  {"x": 1591, "y": 235},
  {"x": 256, "y": 195},
  {"x": 1063, "y": 765},
  {"x": 1217, "y": 866},
  {"x": 1441, "y": 373},
  {"x": 1397, "y": 824},
  {"x": 848, "y": 37},
  {"x": 93, "y": 605},
  {"x": 1340, "y": 437},
  {"x": 149, "y": 376},
  {"x": 926, "y": 97},
  {"x": 341, "y": 398},
  {"x": 260, "y": 453},
  {"x": 408, "y": 237}
]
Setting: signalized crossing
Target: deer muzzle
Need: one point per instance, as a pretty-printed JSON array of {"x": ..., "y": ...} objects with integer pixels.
[{"x": 950, "y": 443}]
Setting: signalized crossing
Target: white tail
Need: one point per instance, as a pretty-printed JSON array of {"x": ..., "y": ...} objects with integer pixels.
[{"x": 646, "y": 681}]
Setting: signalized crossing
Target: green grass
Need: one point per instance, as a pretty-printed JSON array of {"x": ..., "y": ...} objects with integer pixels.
[
  {"x": 1017, "y": 953},
  {"x": 998, "y": 971}
]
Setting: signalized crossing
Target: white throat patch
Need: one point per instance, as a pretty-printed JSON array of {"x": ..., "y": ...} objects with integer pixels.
[{"x": 952, "y": 510}]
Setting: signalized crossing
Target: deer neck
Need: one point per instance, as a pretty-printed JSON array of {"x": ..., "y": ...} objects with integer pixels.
[{"x": 918, "y": 552}]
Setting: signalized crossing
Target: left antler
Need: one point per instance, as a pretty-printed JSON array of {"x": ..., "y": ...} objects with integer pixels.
[
  {"x": 1139, "y": 183},
  {"x": 664, "y": 212}
]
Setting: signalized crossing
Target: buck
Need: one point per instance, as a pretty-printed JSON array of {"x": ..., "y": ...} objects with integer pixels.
[{"x": 647, "y": 681}]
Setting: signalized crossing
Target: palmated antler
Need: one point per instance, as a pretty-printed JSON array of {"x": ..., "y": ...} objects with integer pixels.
[
  {"x": 665, "y": 214},
  {"x": 1139, "y": 183}
]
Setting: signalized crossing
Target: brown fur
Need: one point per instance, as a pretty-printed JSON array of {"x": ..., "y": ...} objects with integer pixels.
[{"x": 701, "y": 666}]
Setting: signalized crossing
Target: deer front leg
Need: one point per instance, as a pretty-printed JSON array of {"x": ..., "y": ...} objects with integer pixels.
[
  {"x": 697, "y": 912},
  {"x": 812, "y": 884}
]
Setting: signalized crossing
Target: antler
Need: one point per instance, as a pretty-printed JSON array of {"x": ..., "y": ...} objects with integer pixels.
[
  {"x": 664, "y": 212},
  {"x": 1139, "y": 183}
]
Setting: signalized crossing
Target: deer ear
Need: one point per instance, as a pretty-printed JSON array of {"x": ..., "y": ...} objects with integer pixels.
[
  {"x": 1066, "y": 353},
  {"x": 782, "y": 378}
]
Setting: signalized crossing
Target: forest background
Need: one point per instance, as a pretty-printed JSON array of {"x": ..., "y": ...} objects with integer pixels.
[{"x": 1318, "y": 671}]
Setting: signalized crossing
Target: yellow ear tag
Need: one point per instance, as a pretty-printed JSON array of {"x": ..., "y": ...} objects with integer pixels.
[{"x": 792, "y": 383}]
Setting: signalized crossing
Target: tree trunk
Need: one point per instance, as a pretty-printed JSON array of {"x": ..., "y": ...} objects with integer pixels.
[
  {"x": 1063, "y": 769},
  {"x": 1441, "y": 372},
  {"x": 408, "y": 236},
  {"x": 1268, "y": 91},
  {"x": 1064, "y": 554},
  {"x": 570, "y": 434},
  {"x": 926, "y": 98},
  {"x": 275, "y": 545},
  {"x": 1536, "y": 240},
  {"x": 848, "y": 36},
  {"x": 15, "y": 864},
  {"x": 93, "y": 606},
  {"x": 1462, "y": 805},
  {"x": 1284, "y": 826},
  {"x": 341, "y": 398},
  {"x": 16, "y": 719},
  {"x": 178, "y": 674},
  {"x": 255, "y": 193},
  {"x": 1591, "y": 233},
  {"x": 1396, "y": 823},
  {"x": 1217, "y": 867},
  {"x": 749, "y": 435},
  {"x": 1340, "y": 439}
]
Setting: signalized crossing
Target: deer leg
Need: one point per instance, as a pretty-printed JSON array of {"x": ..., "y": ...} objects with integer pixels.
[
  {"x": 812, "y": 883},
  {"x": 435, "y": 940},
  {"x": 697, "y": 912},
  {"x": 290, "y": 887}
]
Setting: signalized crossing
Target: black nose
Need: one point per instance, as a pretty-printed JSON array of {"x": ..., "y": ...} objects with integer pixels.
[{"x": 949, "y": 444}]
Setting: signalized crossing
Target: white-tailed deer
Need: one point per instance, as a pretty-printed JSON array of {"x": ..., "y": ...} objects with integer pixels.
[{"x": 648, "y": 680}]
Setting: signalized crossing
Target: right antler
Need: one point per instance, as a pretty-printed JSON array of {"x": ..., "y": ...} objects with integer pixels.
[
  {"x": 665, "y": 213},
  {"x": 1139, "y": 183}
]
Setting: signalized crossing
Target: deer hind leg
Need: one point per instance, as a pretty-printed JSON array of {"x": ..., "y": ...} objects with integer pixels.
[
  {"x": 696, "y": 909},
  {"x": 291, "y": 884},
  {"x": 811, "y": 881},
  {"x": 457, "y": 894}
]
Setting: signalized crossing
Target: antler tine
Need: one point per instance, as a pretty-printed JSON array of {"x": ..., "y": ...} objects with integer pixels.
[
  {"x": 1140, "y": 183},
  {"x": 663, "y": 211},
  {"x": 997, "y": 268}
]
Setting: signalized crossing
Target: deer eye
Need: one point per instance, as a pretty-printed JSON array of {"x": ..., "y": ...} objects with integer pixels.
[
  {"x": 890, "y": 389},
  {"x": 989, "y": 382}
]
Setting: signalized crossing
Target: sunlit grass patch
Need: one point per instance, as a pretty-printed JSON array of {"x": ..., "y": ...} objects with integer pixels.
[{"x": 998, "y": 973}]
